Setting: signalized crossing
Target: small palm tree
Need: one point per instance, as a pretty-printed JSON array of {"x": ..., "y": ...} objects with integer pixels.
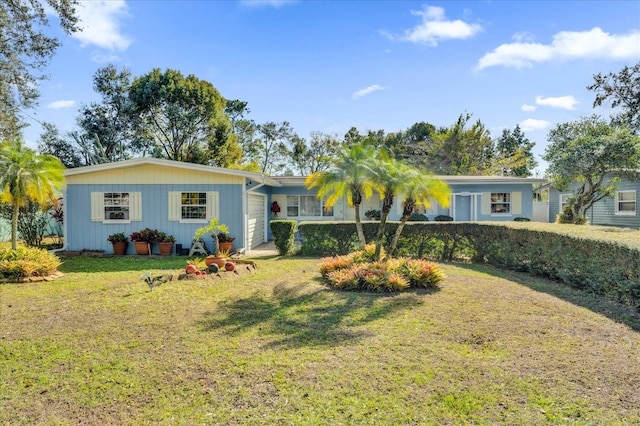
[
  {"x": 419, "y": 190},
  {"x": 26, "y": 176},
  {"x": 350, "y": 175}
]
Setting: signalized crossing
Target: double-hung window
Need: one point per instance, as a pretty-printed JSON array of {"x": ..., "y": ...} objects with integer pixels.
[
  {"x": 626, "y": 203},
  {"x": 116, "y": 207},
  {"x": 307, "y": 206},
  {"x": 501, "y": 202},
  {"x": 564, "y": 200},
  {"x": 193, "y": 206}
]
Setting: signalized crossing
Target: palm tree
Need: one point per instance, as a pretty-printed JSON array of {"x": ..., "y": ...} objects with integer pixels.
[
  {"x": 350, "y": 175},
  {"x": 419, "y": 190},
  {"x": 26, "y": 177},
  {"x": 390, "y": 176}
]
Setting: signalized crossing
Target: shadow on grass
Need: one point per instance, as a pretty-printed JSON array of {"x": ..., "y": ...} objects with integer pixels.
[
  {"x": 611, "y": 309},
  {"x": 89, "y": 264},
  {"x": 296, "y": 317}
]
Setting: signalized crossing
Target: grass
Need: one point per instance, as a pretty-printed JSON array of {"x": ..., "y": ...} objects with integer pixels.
[{"x": 275, "y": 346}]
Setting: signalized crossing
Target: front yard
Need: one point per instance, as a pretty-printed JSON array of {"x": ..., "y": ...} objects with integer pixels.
[{"x": 274, "y": 346}]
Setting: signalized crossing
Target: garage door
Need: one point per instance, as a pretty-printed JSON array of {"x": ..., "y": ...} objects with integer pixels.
[{"x": 256, "y": 228}]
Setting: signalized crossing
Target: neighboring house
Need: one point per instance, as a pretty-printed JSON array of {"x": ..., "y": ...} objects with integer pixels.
[
  {"x": 177, "y": 198},
  {"x": 619, "y": 210}
]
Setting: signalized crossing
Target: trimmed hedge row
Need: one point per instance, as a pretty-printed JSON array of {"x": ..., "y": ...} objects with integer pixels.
[{"x": 600, "y": 266}]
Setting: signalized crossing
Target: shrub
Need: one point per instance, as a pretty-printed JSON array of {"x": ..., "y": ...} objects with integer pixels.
[
  {"x": 417, "y": 217},
  {"x": 117, "y": 237},
  {"x": 522, "y": 219},
  {"x": 356, "y": 271},
  {"x": 27, "y": 262},
  {"x": 443, "y": 218},
  {"x": 373, "y": 214},
  {"x": 283, "y": 235}
]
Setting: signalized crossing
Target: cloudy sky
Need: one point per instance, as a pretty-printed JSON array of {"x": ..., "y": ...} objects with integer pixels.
[{"x": 330, "y": 65}]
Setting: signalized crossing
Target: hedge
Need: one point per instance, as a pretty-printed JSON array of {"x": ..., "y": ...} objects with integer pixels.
[{"x": 591, "y": 259}]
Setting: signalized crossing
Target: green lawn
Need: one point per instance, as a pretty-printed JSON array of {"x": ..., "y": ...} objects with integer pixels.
[{"x": 274, "y": 346}]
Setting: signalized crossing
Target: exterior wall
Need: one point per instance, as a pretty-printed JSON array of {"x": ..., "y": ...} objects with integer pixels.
[
  {"x": 83, "y": 233},
  {"x": 603, "y": 212}
]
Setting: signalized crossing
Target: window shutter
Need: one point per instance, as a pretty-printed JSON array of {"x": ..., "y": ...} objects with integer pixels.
[
  {"x": 135, "y": 206},
  {"x": 174, "y": 205},
  {"x": 485, "y": 203},
  {"x": 97, "y": 206},
  {"x": 516, "y": 202},
  {"x": 212, "y": 205}
]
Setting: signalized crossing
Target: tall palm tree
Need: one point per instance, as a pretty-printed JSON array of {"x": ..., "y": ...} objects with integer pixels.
[
  {"x": 419, "y": 190},
  {"x": 26, "y": 176},
  {"x": 350, "y": 175}
]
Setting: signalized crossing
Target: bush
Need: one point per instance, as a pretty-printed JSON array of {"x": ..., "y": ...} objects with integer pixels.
[
  {"x": 417, "y": 217},
  {"x": 357, "y": 272},
  {"x": 283, "y": 232},
  {"x": 27, "y": 262},
  {"x": 522, "y": 219},
  {"x": 443, "y": 218}
]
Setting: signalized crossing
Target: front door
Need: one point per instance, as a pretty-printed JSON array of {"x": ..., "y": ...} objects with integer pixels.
[{"x": 463, "y": 208}]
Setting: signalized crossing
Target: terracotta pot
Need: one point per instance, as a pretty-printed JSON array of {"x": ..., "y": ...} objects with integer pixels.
[
  {"x": 220, "y": 261},
  {"x": 142, "y": 247},
  {"x": 165, "y": 248},
  {"x": 119, "y": 248},
  {"x": 226, "y": 246}
]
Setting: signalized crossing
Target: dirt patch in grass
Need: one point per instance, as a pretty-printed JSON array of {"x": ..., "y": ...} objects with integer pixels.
[{"x": 276, "y": 346}]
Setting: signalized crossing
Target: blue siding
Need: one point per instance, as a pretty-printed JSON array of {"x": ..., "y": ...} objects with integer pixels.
[
  {"x": 603, "y": 212},
  {"x": 82, "y": 233}
]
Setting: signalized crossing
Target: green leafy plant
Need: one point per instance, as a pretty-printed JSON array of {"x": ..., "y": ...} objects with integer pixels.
[
  {"x": 283, "y": 235},
  {"x": 27, "y": 262},
  {"x": 118, "y": 237},
  {"x": 163, "y": 237},
  {"x": 225, "y": 238},
  {"x": 214, "y": 228},
  {"x": 147, "y": 235}
]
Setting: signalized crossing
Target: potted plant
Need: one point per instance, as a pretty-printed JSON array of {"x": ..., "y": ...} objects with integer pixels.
[
  {"x": 214, "y": 227},
  {"x": 119, "y": 242},
  {"x": 225, "y": 241},
  {"x": 165, "y": 243},
  {"x": 142, "y": 240}
]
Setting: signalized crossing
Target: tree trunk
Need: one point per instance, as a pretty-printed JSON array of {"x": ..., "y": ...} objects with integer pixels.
[
  {"x": 361, "y": 238},
  {"x": 386, "y": 208},
  {"x": 14, "y": 226}
]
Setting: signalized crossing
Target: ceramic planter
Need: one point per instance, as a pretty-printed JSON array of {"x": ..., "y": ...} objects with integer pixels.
[
  {"x": 142, "y": 247},
  {"x": 119, "y": 248}
]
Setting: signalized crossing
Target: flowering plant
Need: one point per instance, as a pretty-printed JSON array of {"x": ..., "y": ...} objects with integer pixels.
[{"x": 275, "y": 208}]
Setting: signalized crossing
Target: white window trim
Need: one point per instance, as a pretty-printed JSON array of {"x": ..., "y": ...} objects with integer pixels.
[
  {"x": 510, "y": 203},
  {"x": 175, "y": 207},
  {"x": 568, "y": 194},
  {"x": 98, "y": 206},
  {"x": 617, "y": 204},
  {"x": 307, "y": 217}
]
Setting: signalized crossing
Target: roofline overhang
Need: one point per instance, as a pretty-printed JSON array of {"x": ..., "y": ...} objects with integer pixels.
[{"x": 257, "y": 177}]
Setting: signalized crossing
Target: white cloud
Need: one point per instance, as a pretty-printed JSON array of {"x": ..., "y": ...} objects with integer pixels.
[
  {"x": 526, "y": 107},
  {"x": 593, "y": 44},
  {"x": 99, "y": 20},
  {"x": 103, "y": 59},
  {"x": 268, "y": 3},
  {"x": 531, "y": 124},
  {"x": 367, "y": 90},
  {"x": 435, "y": 27},
  {"x": 61, "y": 104},
  {"x": 565, "y": 102}
]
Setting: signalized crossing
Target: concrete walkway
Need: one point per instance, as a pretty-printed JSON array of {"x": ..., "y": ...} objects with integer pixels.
[{"x": 264, "y": 249}]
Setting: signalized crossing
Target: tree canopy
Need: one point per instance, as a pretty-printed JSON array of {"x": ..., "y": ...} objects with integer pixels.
[
  {"x": 622, "y": 90},
  {"x": 594, "y": 154},
  {"x": 182, "y": 118},
  {"x": 25, "y": 51},
  {"x": 25, "y": 177}
]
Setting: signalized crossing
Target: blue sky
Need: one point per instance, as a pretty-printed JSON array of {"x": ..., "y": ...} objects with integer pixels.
[{"x": 329, "y": 65}]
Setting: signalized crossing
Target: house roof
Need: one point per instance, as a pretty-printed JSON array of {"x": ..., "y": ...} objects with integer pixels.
[
  {"x": 468, "y": 180},
  {"x": 256, "y": 177}
]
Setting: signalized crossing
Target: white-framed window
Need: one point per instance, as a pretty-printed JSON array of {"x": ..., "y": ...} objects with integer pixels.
[
  {"x": 500, "y": 202},
  {"x": 116, "y": 207},
  {"x": 626, "y": 203},
  {"x": 193, "y": 206},
  {"x": 307, "y": 206},
  {"x": 564, "y": 200}
]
